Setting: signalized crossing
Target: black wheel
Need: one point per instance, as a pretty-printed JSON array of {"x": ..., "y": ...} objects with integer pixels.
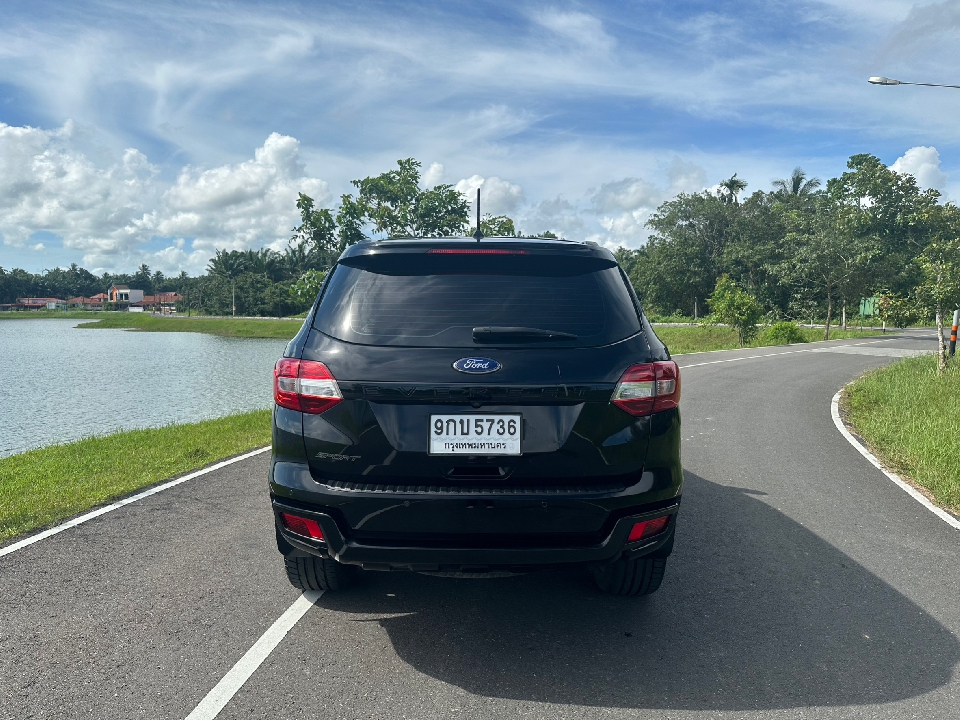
[
  {"x": 639, "y": 576},
  {"x": 314, "y": 573}
]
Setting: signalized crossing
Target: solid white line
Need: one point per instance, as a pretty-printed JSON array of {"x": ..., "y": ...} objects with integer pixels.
[
  {"x": 754, "y": 357},
  {"x": 126, "y": 501},
  {"x": 224, "y": 690},
  {"x": 906, "y": 487}
]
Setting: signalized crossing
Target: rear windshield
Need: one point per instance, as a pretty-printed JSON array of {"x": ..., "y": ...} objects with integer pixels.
[{"x": 442, "y": 309}]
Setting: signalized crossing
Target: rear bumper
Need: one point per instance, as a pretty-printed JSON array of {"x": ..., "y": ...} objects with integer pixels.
[{"x": 410, "y": 555}]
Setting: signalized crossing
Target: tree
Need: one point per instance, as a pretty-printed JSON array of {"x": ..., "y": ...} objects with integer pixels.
[
  {"x": 831, "y": 259},
  {"x": 227, "y": 264},
  {"x": 896, "y": 310},
  {"x": 939, "y": 264},
  {"x": 732, "y": 306},
  {"x": 684, "y": 256},
  {"x": 495, "y": 226},
  {"x": 307, "y": 287},
  {"x": 797, "y": 185},
  {"x": 143, "y": 280},
  {"x": 730, "y": 189},
  {"x": 315, "y": 243},
  {"x": 394, "y": 203}
]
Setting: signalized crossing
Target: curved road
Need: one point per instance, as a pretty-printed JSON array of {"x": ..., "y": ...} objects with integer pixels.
[{"x": 804, "y": 585}]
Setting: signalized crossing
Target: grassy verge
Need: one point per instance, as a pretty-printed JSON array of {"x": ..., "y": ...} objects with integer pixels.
[
  {"x": 911, "y": 420},
  {"x": 225, "y": 327},
  {"x": 43, "y": 486},
  {"x": 711, "y": 337},
  {"x": 54, "y": 314}
]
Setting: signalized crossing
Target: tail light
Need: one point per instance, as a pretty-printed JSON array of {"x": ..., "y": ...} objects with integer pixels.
[
  {"x": 648, "y": 388},
  {"x": 304, "y": 385},
  {"x": 648, "y": 528},
  {"x": 301, "y": 526}
]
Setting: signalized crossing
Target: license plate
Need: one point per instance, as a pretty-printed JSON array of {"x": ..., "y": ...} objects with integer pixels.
[{"x": 475, "y": 434}]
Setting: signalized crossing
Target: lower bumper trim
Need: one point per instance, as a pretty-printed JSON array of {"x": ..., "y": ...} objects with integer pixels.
[{"x": 472, "y": 559}]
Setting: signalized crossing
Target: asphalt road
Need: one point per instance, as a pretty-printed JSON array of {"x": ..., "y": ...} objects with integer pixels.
[{"x": 804, "y": 584}]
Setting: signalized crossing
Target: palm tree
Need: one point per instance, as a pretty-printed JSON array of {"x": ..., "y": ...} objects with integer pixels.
[
  {"x": 797, "y": 185},
  {"x": 227, "y": 263},
  {"x": 730, "y": 190}
]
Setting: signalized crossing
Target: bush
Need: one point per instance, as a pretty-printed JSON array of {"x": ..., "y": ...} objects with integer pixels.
[
  {"x": 734, "y": 307},
  {"x": 782, "y": 333}
]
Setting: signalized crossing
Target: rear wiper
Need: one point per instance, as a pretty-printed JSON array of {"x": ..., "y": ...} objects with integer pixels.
[{"x": 518, "y": 334}]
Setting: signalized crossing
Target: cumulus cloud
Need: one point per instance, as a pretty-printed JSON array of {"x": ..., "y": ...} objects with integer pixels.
[
  {"x": 497, "y": 196},
  {"x": 240, "y": 206},
  {"x": 924, "y": 164},
  {"x": 624, "y": 206},
  {"x": 109, "y": 212},
  {"x": 45, "y": 184},
  {"x": 558, "y": 215},
  {"x": 433, "y": 175}
]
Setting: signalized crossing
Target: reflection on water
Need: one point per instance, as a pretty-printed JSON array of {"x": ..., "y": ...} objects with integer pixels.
[{"x": 60, "y": 383}]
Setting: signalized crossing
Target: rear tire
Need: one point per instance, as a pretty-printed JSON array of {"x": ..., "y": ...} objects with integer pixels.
[
  {"x": 314, "y": 573},
  {"x": 631, "y": 576}
]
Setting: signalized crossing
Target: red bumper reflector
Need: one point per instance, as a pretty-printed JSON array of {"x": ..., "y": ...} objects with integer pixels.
[
  {"x": 648, "y": 528},
  {"x": 301, "y": 526}
]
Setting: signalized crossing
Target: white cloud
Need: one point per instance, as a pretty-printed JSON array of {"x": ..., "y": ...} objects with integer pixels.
[
  {"x": 558, "y": 215},
  {"x": 433, "y": 175},
  {"x": 584, "y": 30},
  {"x": 924, "y": 164},
  {"x": 240, "y": 206},
  {"x": 624, "y": 206},
  {"x": 497, "y": 196},
  {"x": 45, "y": 184},
  {"x": 109, "y": 211}
]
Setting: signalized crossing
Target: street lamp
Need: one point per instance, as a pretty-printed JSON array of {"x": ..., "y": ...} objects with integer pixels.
[{"x": 891, "y": 81}]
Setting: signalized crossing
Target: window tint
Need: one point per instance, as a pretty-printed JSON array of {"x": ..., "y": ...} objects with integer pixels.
[{"x": 441, "y": 309}]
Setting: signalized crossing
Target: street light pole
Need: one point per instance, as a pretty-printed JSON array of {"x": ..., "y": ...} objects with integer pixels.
[{"x": 876, "y": 80}]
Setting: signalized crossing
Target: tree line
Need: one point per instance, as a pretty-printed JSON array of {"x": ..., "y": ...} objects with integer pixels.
[
  {"x": 799, "y": 251},
  {"x": 803, "y": 250}
]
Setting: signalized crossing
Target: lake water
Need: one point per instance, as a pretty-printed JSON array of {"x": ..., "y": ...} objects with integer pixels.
[{"x": 61, "y": 383}]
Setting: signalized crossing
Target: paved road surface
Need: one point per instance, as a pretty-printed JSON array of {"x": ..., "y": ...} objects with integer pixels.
[{"x": 804, "y": 585}]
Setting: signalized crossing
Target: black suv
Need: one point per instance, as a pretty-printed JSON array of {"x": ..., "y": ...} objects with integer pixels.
[{"x": 462, "y": 406}]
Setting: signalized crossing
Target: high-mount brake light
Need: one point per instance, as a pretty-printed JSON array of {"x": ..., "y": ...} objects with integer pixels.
[
  {"x": 304, "y": 385},
  {"x": 474, "y": 251},
  {"x": 648, "y": 388},
  {"x": 301, "y": 526},
  {"x": 648, "y": 528}
]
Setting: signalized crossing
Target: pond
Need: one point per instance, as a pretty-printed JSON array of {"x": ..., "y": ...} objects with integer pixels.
[{"x": 60, "y": 383}]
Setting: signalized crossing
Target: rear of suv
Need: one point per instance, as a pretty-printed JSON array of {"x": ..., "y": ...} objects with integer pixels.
[{"x": 455, "y": 406}]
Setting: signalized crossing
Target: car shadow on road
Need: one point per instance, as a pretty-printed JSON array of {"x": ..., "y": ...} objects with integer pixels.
[{"x": 757, "y": 612}]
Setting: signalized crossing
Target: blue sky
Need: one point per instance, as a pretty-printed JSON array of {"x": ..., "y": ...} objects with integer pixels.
[{"x": 159, "y": 132}]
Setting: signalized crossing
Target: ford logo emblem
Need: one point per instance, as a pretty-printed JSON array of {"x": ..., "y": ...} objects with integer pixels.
[{"x": 476, "y": 366}]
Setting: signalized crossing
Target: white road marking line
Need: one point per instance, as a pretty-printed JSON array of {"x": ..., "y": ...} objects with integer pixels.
[
  {"x": 750, "y": 357},
  {"x": 787, "y": 352},
  {"x": 906, "y": 487},
  {"x": 126, "y": 501},
  {"x": 235, "y": 678}
]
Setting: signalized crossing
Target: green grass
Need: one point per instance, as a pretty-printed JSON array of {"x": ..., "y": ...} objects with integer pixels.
[
  {"x": 702, "y": 338},
  {"x": 44, "y": 486},
  {"x": 911, "y": 419},
  {"x": 225, "y": 327}
]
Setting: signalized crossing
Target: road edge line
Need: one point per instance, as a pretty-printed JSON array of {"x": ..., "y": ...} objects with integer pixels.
[
  {"x": 906, "y": 487},
  {"x": 57, "y": 529},
  {"x": 217, "y": 699}
]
